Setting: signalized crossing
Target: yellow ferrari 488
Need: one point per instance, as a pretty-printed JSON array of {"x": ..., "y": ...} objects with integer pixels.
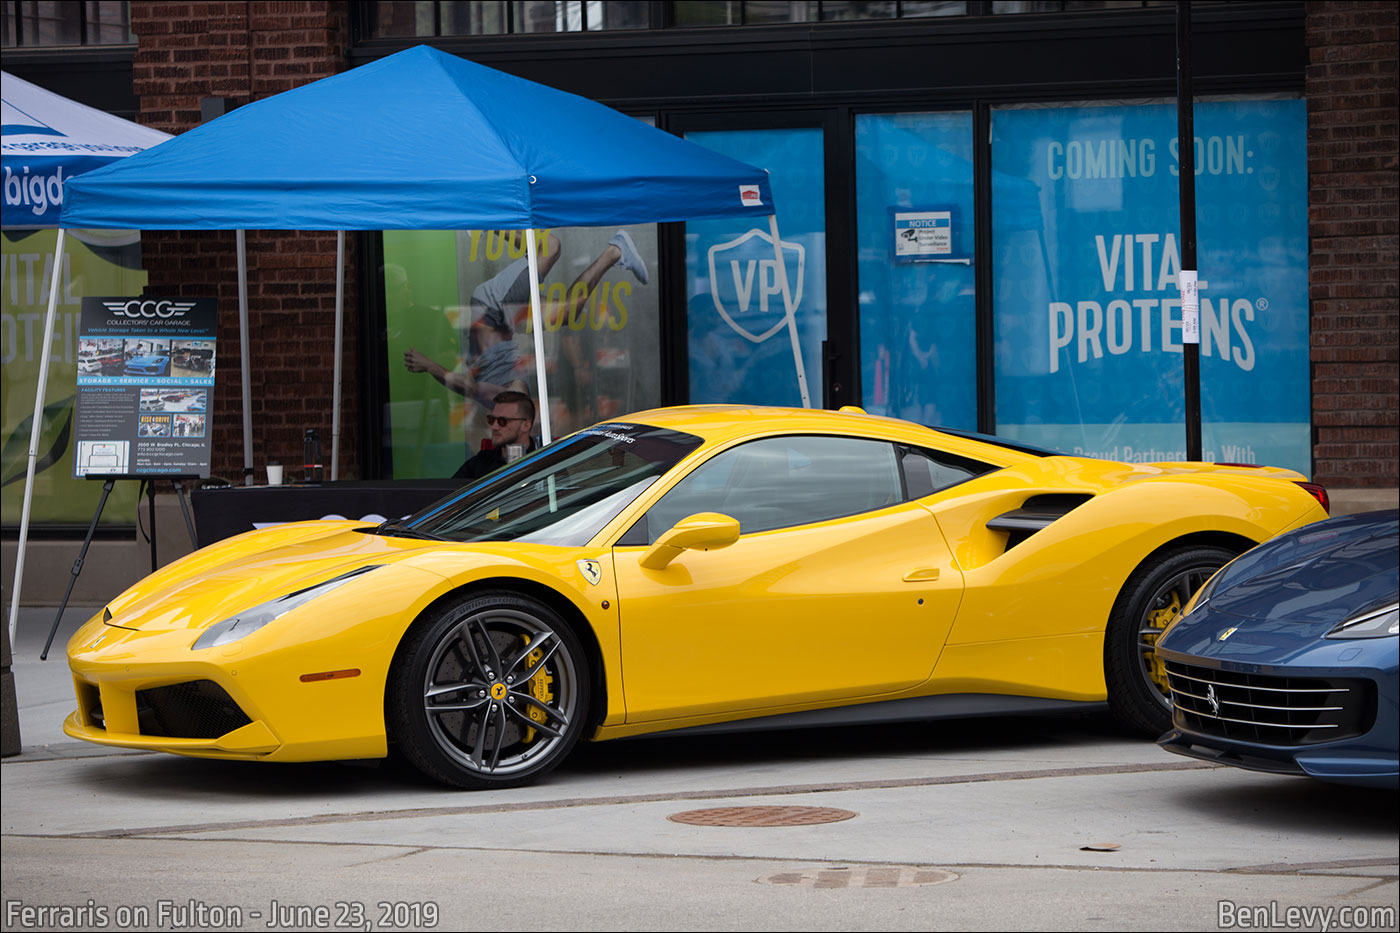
[{"x": 703, "y": 567}]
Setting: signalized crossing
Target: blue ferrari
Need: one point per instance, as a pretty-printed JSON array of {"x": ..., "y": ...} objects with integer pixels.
[
  {"x": 1286, "y": 660},
  {"x": 147, "y": 365}
]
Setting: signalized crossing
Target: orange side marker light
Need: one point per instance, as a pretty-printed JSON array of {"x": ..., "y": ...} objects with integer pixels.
[{"x": 330, "y": 675}]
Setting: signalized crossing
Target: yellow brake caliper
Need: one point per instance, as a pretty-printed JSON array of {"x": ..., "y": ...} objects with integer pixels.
[
  {"x": 539, "y": 687},
  {"x": 1160, "y": 619}
]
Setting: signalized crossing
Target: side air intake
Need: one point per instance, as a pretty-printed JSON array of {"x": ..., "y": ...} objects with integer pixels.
[{"x": 1036, "y": 513}]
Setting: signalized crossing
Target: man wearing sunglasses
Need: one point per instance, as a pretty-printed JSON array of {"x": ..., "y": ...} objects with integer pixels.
[{"x": 512, "y": 421}]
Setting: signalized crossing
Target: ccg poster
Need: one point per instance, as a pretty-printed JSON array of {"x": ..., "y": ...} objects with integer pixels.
[{"x": 145, "y": 384}]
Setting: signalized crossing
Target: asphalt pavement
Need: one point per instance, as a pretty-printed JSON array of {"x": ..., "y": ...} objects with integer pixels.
[{"x": 997, "y": 824}]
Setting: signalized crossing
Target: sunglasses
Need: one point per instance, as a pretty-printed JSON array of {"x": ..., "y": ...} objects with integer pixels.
[{"x": 502, "y": 422}]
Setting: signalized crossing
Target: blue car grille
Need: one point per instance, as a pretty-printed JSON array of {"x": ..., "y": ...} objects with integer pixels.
[{"x": 1269, "y": 709}]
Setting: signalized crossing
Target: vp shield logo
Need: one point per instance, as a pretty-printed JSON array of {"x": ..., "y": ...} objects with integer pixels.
[
  {"x": 745, "y": 269},
  {"x": 148, "y": 309}
]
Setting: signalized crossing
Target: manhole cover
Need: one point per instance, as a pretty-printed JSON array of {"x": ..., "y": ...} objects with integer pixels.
[
  {"x": 762, "y": 816},
  {"x": 898, "y": 877}
]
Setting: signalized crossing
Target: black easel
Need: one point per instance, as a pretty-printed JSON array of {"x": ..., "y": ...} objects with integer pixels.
[{"x": 149, "y": 486}]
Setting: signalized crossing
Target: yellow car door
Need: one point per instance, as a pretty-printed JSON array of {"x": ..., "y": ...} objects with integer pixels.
[{"x": 835, "y": 590}]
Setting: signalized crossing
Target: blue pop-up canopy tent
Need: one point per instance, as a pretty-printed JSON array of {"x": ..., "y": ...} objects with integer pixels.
[{"x": 419, "y": 140}]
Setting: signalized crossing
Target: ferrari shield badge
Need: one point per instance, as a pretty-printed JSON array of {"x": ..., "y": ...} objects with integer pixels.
[{"x": 592, "y": 571}]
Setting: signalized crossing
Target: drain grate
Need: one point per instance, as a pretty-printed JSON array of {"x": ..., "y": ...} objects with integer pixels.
[
  {"x": 884, "y": 877},
  {"x": 762, "y": 816}
]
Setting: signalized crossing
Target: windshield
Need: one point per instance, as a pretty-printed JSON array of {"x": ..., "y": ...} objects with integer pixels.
[{"x": 563, "y": 494}]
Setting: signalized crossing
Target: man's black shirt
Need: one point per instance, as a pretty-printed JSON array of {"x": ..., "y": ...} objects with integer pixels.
[{"x": 485, "y": 461}]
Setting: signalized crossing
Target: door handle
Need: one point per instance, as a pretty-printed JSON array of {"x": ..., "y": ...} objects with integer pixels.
[{"x": 921, "y": 575}]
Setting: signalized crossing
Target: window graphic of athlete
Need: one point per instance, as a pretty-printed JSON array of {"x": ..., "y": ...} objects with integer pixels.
[{"x": 491, "y": 359}]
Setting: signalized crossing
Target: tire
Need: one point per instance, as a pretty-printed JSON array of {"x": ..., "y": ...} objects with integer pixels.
[
  {"x": 459, "y": 703},
  {"x": 1153, "y": 596}
]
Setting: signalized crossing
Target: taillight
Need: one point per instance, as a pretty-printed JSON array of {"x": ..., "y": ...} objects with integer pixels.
[{"x": 1319, "y": 493}]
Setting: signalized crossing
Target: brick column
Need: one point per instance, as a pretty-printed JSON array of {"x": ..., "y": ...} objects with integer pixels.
[
  {"x": 248, "y": 51},
  {"x": 1353, "y": 256}
]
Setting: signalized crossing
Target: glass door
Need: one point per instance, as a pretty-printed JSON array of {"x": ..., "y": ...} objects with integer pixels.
[
  {"x": 748, "y": 339},
  {"x": 917, "y": 293}
]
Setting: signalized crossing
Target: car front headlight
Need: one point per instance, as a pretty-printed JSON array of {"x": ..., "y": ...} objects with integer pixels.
[
  {"x": 1373, "y": 623},
  {"x": 245, "y": 623}
]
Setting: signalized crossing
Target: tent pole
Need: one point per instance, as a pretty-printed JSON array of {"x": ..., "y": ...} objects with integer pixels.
[
  {"x": 339, "y": 323},
  {"x": 537, "y": 320},
  {"x": 45, "y": 349},
  {"x": 791, "y": 311},
  {"x": 243, "y": 341}
]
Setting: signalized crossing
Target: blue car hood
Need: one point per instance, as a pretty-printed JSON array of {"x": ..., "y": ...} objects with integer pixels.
[
  {"x": 1281, "y": 599},
  {"x": 1318, "y": 575}
]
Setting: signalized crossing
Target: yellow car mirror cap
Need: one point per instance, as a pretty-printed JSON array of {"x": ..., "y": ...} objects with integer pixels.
[{"x": 703, "y": 531}]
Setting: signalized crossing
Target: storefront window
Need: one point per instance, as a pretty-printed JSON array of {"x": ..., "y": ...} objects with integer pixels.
[
  {"x": 405, "y": 18},
  {"x": 1085, "y": 224},
  {"x": 459, "y": 331},
  {"x": 95, "y": 263},
  {"x": 917, "y": 291},
  {"x": 744, "y": 346},
  {"x": 55, "y": 23}
]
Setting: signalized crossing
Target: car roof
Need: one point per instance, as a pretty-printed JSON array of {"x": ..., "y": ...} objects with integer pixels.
[{"x": 720, "y": 424}]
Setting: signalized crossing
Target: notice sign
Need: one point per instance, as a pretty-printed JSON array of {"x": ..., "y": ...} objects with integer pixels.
[
  {"x": 923, "y": 235},
  {"x": 145, "y": 384}
]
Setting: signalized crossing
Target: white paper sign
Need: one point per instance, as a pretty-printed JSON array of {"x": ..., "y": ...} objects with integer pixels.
[
  {"x": 923, "y": 233},
  {"x": 1190, "y": 307}
]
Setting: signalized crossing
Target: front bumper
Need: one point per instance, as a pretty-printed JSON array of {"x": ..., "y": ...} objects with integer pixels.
[
  {"x": 149, "y": 690},
  {"x": 1369, "y": 757},
  {"x": 1336, "y": 766}
]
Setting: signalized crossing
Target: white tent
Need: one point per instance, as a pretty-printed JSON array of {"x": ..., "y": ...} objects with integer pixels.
[{"x": 46, "y": 140}]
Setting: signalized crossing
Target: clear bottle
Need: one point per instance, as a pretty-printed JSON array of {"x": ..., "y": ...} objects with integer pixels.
[{"x": 312, "y": 447}]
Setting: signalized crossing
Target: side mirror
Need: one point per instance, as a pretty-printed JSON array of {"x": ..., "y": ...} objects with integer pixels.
[{"x": 703, "y": 531}]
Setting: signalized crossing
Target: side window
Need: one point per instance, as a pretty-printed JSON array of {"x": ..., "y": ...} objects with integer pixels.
[
  {"x": 780, "y": 482},
  {"x": 928, "y": 471}
]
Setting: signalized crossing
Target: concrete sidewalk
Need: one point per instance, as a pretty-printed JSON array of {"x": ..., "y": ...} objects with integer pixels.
[
  {"x": 958, "y": 825},
  {"x": 44, "y": 689}
]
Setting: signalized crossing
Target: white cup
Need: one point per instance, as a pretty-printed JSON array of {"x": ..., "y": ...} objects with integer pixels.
[
  {"x": 514, "y": 452},
  {"x": 274, "y": 474}
]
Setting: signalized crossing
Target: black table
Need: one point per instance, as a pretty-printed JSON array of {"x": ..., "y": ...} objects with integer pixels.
[{"x": 224, "y": 511}]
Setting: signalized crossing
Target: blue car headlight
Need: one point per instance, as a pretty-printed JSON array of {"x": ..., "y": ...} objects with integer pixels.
[
  {"x": 1373, "y": 623},
  {"x": 245, "y": 623}
]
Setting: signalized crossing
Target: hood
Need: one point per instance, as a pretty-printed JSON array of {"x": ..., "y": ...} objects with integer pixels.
[
  {"x": 1318, "y": 575},
  {"x": 1288, "y": 593},
  {"x": 1116, "y": 472},
  {"x": 233, "y": 576}
]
